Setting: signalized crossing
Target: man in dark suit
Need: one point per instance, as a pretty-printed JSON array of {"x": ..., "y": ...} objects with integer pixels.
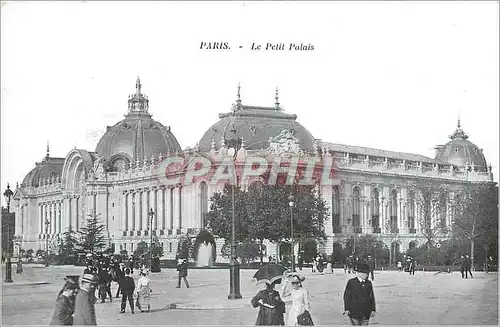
[
  {"x": 359, "y": 300},
  {"x": 468, "y": 266},
  {"x": 128, "y": 286},
  {"x": 182, "y": 268}
]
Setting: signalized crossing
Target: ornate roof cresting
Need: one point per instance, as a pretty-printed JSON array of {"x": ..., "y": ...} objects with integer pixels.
[{"x": 459, "y": 133}]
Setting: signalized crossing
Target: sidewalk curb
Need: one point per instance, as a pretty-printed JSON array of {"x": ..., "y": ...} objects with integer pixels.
[
  {"x": 25, "y": 283},
  {"x": 199, "y": 306}
]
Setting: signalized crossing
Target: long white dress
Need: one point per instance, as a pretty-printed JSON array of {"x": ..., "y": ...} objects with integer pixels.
[
  {"x": 300, "y": 303},
  {"x": 143, "y": 290}
]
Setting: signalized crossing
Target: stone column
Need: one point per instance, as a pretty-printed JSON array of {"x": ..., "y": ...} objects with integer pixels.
[
  {"x": 170, "y": 208},
  {"x": 123, "y": 216},
  {"x": 53, "y": 225},
  {"x": 162, "y": 208},
  {"x": 181, "y": 206},
  {"x": 131, "y": 211},
  {"x": 138, "y": 211},
  {"x": 146, "y": 205},
  {"x": 40, "y": 217},
  {"x": 342, "y": 213},
  {"x": 135, "y": 210},
  {"x": 156, "y": 206},
  {"x": 381, "y": 216}
]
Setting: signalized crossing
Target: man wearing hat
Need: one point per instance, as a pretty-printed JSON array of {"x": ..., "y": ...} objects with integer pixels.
[
  {"x": 359, "y": 300},
  {"x": 182, "y": 268},
  {"x": 84, "y": 302}
]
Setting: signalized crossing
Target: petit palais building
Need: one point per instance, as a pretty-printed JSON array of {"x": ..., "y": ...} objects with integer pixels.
[{"x": 118, "y": 182}]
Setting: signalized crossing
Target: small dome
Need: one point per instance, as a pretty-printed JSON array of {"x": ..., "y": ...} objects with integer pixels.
[
  {"x": 50, "y": 168},
  {"x": 255, "y": 125},
  {"x": 461, "y": 152},
  {"x": 137, "y": 137}
]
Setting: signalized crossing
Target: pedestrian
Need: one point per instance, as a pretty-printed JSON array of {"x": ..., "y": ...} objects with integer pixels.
[
  {"x": 300, "y": 262},
  {"x": 468, "y": 265},
  {"x": 84, "y": 302},
  {"x": 411, "y": 268},
  {"x": 271, "y": 307},
  {"x": 462, "y": 266},
  {"x": 120, "y": 274},
  {"x": 104, "y": 285},
  {"x": 182, "y": 268},
  {"x": 143, "y": 291},
  {"x": 299, "y": 298},
  {"x": 400, "y": 266},
  {"x": 359, "y": 300},
  {"x": 65, "y": 305},
  {"x": 371, "y": 265},
  {"x": 19, "y": 269},
  {"x": 127, "y": 286}
]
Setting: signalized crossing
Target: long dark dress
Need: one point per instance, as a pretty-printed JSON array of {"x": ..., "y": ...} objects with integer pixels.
[
  {"x": 268, "y": 316},
  {"x": 63, "y": 314}
]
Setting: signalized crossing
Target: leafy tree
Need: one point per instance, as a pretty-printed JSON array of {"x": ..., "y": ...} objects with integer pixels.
[
  {"x": 184, "y": 247},
  {"x": 263, "y": 212},
  {"x": 310, "y": 248},
  {"x": 29, "y": 253},
  {"x": 142, "y": 249},
  {"x": 476, "y": 215},
  {"x": 247, "y": 251},
  {"x": 92, "y": 238}
]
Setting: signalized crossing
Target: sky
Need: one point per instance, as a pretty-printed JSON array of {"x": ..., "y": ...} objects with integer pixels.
[{"x": 386, "y": 75}]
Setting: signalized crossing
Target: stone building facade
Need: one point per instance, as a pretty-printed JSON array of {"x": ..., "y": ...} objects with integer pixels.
[{"x": 121, "y": 181}]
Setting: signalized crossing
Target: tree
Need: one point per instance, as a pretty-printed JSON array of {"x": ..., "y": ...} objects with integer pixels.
[
  {"x": 247, "y": 251},
  {"x": 263, "y": 212},
  {"x": 92, "y": 238},
  {"x": 184, "y": 248},
  {"x": 141, "y": 250},
  {"x": 476, "y": 215},
  {"x": 432, "y": 200},
  {"x": 69, "y": 243}
]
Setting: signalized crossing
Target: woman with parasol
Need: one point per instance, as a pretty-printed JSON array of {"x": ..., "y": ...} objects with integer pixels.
[{"x": 271, "y": 307}]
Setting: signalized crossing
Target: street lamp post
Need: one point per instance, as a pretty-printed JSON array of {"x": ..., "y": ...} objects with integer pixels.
[
  {"x": 151, "y": 215},
  {"x": 291, "y": 204},
  {"x": 47, "y": 223},
  {"x": 8, "y": 265},
  {"x": 234, "y": 145}
]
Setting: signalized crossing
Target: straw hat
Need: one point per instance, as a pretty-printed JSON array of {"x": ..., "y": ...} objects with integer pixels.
[
  {"x": 89, "y": 278},
  {"x": 296, "y": 278}
]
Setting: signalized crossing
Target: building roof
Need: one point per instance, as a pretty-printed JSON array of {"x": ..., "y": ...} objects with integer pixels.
[
  {"x": 461, "y": 152},
  {"x": 359, "y": 150},
  {"x": 138, "y": 136},
  {"x": 255, "y": 125}
]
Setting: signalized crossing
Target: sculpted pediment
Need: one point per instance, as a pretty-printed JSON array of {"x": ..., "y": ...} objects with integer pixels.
[{"x": 285, "y": 142}]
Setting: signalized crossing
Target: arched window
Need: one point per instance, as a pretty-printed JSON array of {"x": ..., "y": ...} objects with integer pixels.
[
  {"x": 394, "y": 211},
  {"x": 356, "y": 209},
  {"x": 411, "y": 212},
  {"x": 376, "y": 212},
  {"x": 336, "y": 210},
  {"x": 203, "y": 203}
]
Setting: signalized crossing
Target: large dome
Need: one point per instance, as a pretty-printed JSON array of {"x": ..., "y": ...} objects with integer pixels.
[
  {"x": 255, "y": 125},
  {"x": 137, "y": 137},
  {"x": 461, "y": 152}
]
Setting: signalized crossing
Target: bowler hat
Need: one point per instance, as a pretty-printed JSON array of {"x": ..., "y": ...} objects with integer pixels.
[{"x": 363, "y": 268}]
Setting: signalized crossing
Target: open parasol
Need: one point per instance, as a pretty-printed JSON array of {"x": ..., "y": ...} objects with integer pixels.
[{"x": 269, "y": 273}]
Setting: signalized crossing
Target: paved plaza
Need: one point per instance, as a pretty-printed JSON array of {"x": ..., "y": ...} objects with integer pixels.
[{"x": 427, "y": 298}]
